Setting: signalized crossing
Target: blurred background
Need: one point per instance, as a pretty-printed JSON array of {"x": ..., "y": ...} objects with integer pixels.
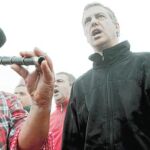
[{"x": 55, "y": 27}]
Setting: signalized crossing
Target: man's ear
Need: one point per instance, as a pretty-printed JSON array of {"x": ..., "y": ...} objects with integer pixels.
[{"x": 117, "y": 29}]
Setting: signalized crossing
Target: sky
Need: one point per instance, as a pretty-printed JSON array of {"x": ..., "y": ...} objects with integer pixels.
[{"x": 55, "y": 27}]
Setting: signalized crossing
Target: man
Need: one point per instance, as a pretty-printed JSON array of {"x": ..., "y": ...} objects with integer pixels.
[
  {"x": 109, "y": 108},
  {"x": 17, "y": 131},
  {"x": 63, "y": 84},
  {"x": 23, "y": 96}
]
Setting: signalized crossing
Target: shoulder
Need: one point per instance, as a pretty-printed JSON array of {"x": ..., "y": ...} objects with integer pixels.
[
  {"x": 140, "y": 57},
  {"x": 84, "y": 77},
  {"x": 9, "y": 100},
  {"x": 141, "y": 54},
  {"x": 5, "y": 96},
  {"x": 81, "y": 84}
]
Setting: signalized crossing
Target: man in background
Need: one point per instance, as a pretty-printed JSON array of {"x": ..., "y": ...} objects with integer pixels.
[
  {"x": 23, "y": 96},
  {"x": 63, "y": 84}
]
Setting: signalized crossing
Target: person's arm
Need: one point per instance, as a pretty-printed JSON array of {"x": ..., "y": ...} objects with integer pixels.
[
  {"x": 40, "y": 83},
  {"x": 34, "y": 131}
]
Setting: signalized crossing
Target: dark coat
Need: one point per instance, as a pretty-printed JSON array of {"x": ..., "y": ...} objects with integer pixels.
[{"x": 109, "y": 107}]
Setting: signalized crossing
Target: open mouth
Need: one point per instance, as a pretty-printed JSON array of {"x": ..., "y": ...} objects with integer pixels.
[
  {"x": 96, "y": 32},
  {"x": 55, "y": 91}
]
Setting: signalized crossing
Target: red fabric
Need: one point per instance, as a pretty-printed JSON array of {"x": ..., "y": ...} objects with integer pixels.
[
  {"x": 56, "y": 126},
  {"x": 12, "y": 116}
]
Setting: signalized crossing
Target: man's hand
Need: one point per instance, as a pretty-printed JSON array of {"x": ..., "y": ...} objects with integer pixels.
[{"x": 40, "y": 83}]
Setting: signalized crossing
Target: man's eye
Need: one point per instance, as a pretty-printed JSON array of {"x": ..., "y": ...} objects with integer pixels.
[
  {"x": 59, "y": 80},
  {"x": 100, "y": 17},
  {"x": 87, "y": 20},
  {"x": 22, "y": 94}
]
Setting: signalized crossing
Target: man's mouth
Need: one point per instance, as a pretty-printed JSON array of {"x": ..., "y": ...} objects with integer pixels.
[
  {"x": 55, "y": 91},
  {"x": 96, "y": 32}
]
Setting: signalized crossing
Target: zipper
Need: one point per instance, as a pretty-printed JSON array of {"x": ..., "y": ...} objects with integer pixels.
[
  {"x": 102, "y": 56},
  {"x": 109, "y": 115}
]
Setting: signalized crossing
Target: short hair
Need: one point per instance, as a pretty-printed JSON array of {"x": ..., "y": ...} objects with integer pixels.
[
  {"x": 111, "y": 13},
  {"x": 71, "y": 78},
  {"x": 21, "y": 83}
]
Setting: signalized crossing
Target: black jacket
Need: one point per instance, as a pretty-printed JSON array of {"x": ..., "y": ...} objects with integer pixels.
[{"x": 110, "y": 104}]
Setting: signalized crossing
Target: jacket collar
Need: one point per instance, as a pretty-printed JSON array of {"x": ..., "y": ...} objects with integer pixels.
[
  {"x": 63, "y": 106},
  {"x": 111, "y": 55}
]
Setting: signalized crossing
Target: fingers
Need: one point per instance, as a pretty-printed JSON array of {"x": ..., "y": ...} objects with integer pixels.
[
  {"x": 46, "y": 67},
  {"x": 35, "y": 52},
  {"x": 20, "y": 70},
  {"x": 49, "y": 62},
  {"x": 40, "y": 53},
  {"x": 47, "y": 71}
]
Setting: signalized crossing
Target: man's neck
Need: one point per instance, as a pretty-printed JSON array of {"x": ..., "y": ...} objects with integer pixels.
[
  {"x": 100, "y": 48},
  {"x": 63, "y": 104}
]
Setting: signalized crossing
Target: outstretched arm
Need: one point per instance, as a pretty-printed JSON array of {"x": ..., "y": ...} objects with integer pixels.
[{"x": 40, "y": 84}]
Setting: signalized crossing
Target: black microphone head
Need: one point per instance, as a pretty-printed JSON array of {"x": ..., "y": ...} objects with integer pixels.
[{"x": 2, "y": 38}]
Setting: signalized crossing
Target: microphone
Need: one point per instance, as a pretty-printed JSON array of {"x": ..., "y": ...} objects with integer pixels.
[
  {"x": 2, "y": 38},
  {"x": 4, "y": 60}
]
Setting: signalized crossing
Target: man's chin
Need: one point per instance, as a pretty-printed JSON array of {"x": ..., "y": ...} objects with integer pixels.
[
  {"x": 58, "y": 102},
  {"x": 98, "y": 42}
]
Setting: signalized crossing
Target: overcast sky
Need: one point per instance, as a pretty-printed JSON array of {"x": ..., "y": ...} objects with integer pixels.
[{"x": 55, "y": 27}]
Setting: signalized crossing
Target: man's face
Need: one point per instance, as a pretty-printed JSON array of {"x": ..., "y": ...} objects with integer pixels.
[
  {"x": 62, "y": 88},
  {"x": 99, "y": 28},
  {"x": 23, "y": 95}
]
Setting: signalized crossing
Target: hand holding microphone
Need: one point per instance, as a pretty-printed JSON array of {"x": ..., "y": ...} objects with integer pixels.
[{"x": 39, "y": 82}]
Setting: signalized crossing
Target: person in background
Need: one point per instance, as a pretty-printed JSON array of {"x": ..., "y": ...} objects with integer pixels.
[
  {"x": 63, "y": 84},
  {"x": 109, "y": 107},
  {"x": 23, "y": 96},
  {"x": 19, "y": 131}
]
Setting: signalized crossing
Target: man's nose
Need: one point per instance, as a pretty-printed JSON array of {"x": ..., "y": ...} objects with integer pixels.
[
  {"x": 55, "y": 84},
  {"x": 94, "y": 21},
  {"x": 18, "y": 96}
]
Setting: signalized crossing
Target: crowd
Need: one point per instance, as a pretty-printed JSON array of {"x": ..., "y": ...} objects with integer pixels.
[{"x": 106, "y": 108}]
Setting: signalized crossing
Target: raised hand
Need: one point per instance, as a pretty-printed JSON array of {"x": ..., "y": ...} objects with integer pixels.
[{"x": 40, "y": 82}]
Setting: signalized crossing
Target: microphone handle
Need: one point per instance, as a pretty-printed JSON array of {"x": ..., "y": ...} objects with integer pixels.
[
  {"x": 21, "y": 61},
  {"x": 2, "y": 38}
]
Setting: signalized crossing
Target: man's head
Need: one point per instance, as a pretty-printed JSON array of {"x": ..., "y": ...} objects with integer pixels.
[
  {"x": 100, "y": 26},
  {"x": 22, "y": 94},
  {"x": 63, "y": 84}
]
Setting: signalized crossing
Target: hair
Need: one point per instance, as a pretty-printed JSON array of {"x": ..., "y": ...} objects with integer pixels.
[
  {"x": 71, "y": 78},
  {"x": 111, "y": 13},
  {"x": 21, "y": 83}
]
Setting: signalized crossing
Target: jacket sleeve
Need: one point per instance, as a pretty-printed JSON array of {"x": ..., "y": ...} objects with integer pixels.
[
  {"x": 146, "y": 69},
  {"x": 146, "y": 89},
  {"x": 74, "y": 125}
]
